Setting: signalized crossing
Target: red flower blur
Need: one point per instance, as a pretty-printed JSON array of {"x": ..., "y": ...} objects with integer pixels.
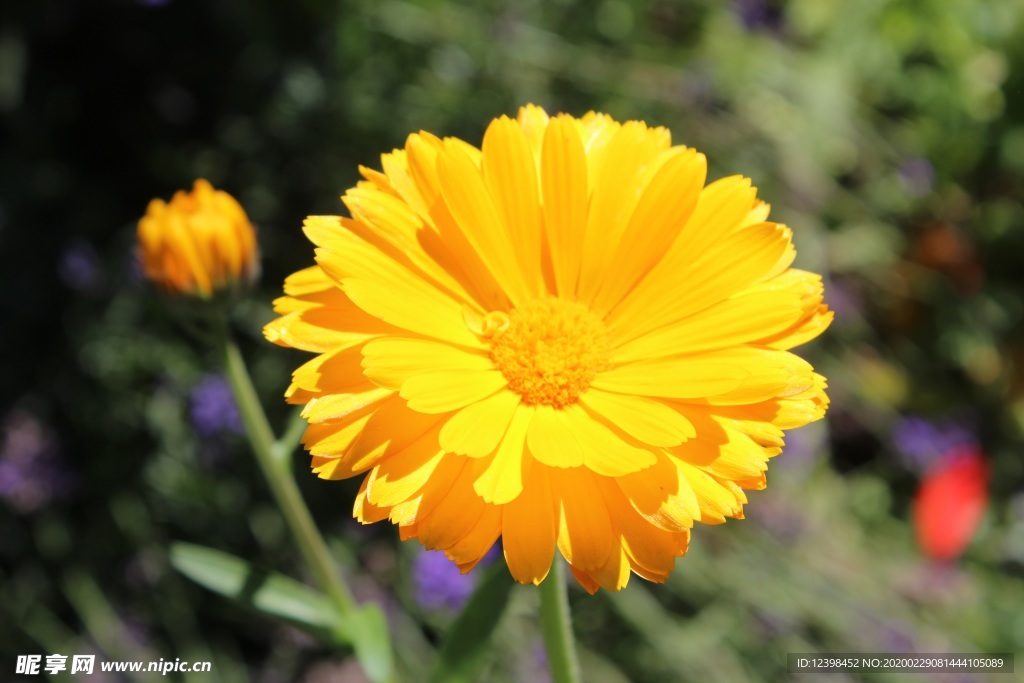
[{"x": 950, "y": 503}]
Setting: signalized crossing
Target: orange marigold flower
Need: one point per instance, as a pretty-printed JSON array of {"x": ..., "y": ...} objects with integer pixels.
[
  {"x": 199, "y": 242},
  {"x": 563, "y": 339}
]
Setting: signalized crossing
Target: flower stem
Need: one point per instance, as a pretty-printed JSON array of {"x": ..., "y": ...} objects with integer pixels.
[
  {"x": 278, "y": 473},
  {"x": 556, "y": 622}
]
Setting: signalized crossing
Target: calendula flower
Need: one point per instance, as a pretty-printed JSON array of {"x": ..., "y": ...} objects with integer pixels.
[
  {"x": 563, "y": 339},
  {"x": 199, "y": 242}
]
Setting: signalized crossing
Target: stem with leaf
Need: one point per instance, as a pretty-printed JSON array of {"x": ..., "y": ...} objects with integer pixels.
[{"x": 273, "y": 458}]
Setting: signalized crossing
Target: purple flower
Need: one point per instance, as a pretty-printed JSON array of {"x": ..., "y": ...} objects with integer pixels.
[
  {"x": 755, "y": 14},
  {"x": 79, "y": 267},
  {"x": 213, "y": 408},
  {"x": 440, "y": 585},
  {"x": 921, "y": 442},
  {"x": 32, "y": 471},
  {"x": 917, "y": 176}
]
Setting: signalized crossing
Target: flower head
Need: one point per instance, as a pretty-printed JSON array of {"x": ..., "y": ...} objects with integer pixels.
[
  {"x": 563, "y": 339},
  {"x": 199, "y": 242}
]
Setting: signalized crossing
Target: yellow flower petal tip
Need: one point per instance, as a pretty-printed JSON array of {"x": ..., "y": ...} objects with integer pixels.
[
  {"x": 564, "y": 339},
  {"x": 198, "y": 243}
]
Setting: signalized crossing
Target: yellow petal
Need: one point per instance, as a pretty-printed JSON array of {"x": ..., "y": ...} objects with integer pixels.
[
  {"x": 666, "y": 204},
  {"x": 471, "y": 548},
  {"x": 803, "y": 331},
  {"x": 399, "y": 177},
  {"x": 689, "y": 377},
  {"x": 754, "y": 421},
  {"x": 721, "y": 210},
  {"x": 391, "y": 429},
  {"x": 307, "y": 281},
  {"x": 337, "y": 406},
  {"x": 674, "y": 290},
  {"x": 392, "y": 361},
  {"x": 402, "y": 475},
  {"x": 510, "y": 174},
  {"x": 738, "y": 320},
  {"x": 415, "y": 510},
  {"x": 604, "y": 451},
  {"x": 732, "y": 456},
  {"x": 772, "y": 374},
  {"x": 662, "y": 496},
  {"x": 421, "y": 151},
  {"x": 379, "y": 180},
  {"x": 758, "y": 214},
  {"x": 534, "y": 122},
  {"x": 529, "y": 529},
  {"x": 550, "y": 441},
  {"x": 477, "y": 429},
  {"x": 648, "y": 421},
  {"x": 653, "y": 549},
  {"x": 447, "y": 390},
  {"x": 564, "y": 186},
  {"x": 470, "y": 204},
  {"x": 615, "y": 192},
  {"x": 334, "y": 372},
  {"x": 613, "y": 575},
  {"x": 365, "y": 511},
  {"x": 585, "y": 580},
  {"x": 596, "y": 131},
  {"x": 455, "y": 514},
  {"x": 310, "y": 322},
  {"x": 330, "y": 440},
  {"x": 585, "y": 534},
  {"x": 502, "y": 481},
  {"x": 385, "y": 289},
  {"x": 404, "y": 236},
  {"x": 716, "y": 502}
]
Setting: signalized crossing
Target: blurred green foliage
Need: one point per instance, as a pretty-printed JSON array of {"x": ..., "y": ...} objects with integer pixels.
[{"x": 888, "y": 133}]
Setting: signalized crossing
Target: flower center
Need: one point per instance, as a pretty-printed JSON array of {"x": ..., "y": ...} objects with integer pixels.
[{"x": 549, "y": 350}]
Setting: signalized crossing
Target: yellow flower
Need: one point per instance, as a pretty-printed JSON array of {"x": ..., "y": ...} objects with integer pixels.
[
  {"x": 198, "y": 243},
  {"x": 563, "y": 339}
]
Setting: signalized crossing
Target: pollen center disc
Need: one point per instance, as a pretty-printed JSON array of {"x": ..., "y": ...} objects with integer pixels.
[{"x": 550, "y": 350}]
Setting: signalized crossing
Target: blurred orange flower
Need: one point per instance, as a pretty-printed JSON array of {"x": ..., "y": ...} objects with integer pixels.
[{"x": 199, "y": 242}]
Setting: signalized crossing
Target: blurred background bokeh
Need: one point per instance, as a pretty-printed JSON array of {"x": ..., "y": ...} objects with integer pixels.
[{"x": 889, "y": 134}]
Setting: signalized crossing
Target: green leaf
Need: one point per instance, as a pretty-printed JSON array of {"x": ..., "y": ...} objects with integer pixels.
[
  {"x": 365, "y": 629},
  {"x": 266, "y": 591},
  {"x": 369, "y": 632},
  {"x": 464, "y": 650}
]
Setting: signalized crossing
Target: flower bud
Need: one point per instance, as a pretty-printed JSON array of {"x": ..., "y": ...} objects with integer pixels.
[{"x": 198, "y": 243}]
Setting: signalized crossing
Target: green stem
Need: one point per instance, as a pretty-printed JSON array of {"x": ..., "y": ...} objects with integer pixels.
[
  {"x": 556, "y": 623},
  {"x": 292, "y": 436},
  {"x": 278, "y": 473}
]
